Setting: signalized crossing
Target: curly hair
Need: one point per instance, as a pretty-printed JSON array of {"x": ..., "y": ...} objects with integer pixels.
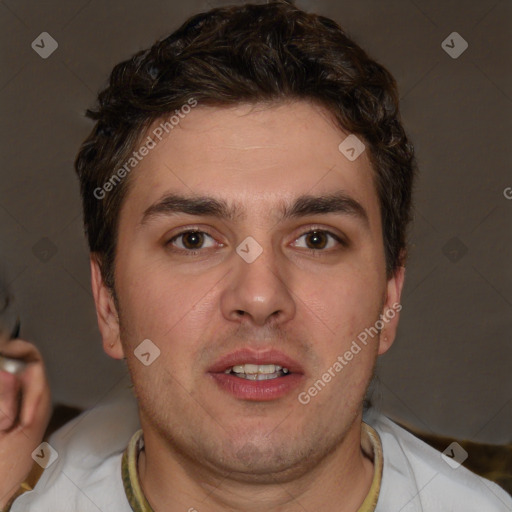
[{"x": 247, "y": 54}]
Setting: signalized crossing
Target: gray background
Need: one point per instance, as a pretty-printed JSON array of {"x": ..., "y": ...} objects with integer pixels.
[{"x": 449, "y": 371}]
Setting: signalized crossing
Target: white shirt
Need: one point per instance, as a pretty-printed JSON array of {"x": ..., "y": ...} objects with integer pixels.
[{"x": 86, "y": 476}]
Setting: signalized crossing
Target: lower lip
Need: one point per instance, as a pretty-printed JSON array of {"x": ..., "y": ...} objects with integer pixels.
[{"x": 257, "y": 390}]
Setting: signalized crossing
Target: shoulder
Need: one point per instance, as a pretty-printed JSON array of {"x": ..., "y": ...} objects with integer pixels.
[
  {"x": 85, "y": 469},
  {"x": 418, "y": 478}
]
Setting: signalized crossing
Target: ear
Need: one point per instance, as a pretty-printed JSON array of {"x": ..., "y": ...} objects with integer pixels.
[
  {"x": 106, "y": 312},
  {"x": 391, "y": 310}
]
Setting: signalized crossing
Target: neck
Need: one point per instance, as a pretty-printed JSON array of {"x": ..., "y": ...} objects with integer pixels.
[{"x": 173, "y": 482}]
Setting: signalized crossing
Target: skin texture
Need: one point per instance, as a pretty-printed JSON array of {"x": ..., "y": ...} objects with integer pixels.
[
  {"x": 205, "y": 448},
  {"x": 21, "y": 428}
]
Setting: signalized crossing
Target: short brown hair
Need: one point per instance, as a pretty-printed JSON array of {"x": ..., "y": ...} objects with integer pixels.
[{"x": 247, "y": 54}]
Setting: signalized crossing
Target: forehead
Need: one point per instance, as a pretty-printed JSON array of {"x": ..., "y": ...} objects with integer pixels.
[{"x": 255, "y": 158}]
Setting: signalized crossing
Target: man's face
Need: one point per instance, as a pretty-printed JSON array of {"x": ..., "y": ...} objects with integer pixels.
[{"x": 305, "y": 297}]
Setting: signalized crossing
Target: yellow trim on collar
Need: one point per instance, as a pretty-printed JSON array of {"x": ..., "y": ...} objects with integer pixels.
[
  {"x": 131, "y": 483},
  {"x": 370, "y": 443},
  {"x": 372, "y": 446}
]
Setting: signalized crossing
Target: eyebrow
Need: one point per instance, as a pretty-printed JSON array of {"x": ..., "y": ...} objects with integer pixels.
[{"x": 339, "y": 203}]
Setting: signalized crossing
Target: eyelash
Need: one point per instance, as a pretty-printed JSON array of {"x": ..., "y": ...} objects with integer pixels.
[{"x": 314, "y": 252}]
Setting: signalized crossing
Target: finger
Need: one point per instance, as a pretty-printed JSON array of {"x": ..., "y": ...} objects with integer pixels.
[
  {"x": 9, "y": 402},
  {"x": 20, "y": 349},
  {"x": 35, "y": 405}
]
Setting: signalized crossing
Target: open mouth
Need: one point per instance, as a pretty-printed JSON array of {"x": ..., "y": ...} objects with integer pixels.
[
  {"x": 257, "y": 372},
  {"x": 261, "y": 376}
]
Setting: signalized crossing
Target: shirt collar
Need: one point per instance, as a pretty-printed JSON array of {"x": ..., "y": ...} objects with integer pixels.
[{"x": 370, "y": 444}]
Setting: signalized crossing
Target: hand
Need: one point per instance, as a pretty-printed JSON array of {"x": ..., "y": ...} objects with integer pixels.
[{"x": 22, "y": 422}]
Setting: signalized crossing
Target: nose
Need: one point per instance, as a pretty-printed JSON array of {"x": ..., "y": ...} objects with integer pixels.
[{"x": 258, "y": 292}]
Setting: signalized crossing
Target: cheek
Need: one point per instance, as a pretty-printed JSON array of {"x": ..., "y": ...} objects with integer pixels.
[
  {"x": 153, "y": 299},
  {"x": 343, "y": 303},
  {"x": 173, "y": 311}
]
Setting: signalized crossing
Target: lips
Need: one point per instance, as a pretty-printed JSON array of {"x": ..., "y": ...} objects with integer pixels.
[
  {"x": 278, "y": 387},
  {"x": 260, "y": 357}
]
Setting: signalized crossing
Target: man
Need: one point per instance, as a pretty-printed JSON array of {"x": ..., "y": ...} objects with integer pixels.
[{"x": 246, "y": 193}]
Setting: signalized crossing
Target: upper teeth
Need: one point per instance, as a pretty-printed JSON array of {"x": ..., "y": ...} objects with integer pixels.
[{"x": 255, "y": 368}]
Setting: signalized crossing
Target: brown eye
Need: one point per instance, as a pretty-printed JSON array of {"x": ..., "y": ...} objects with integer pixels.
[
  {"x": 320, "y": 240},
  {"x": 316, "y": 239},
  {"x": 191, "y": 240}
]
